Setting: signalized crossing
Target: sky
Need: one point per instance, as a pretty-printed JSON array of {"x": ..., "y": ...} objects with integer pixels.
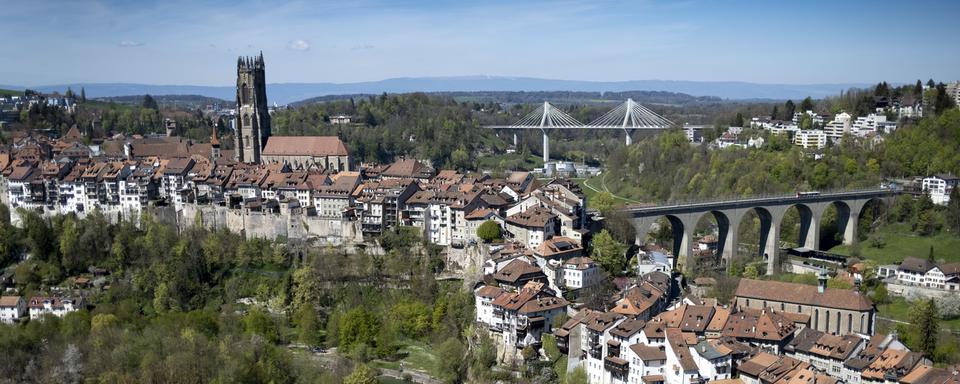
[{"x": 176, "y": 42}]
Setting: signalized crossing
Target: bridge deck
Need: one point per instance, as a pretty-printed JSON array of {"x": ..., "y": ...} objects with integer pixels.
[{"x": 777, "y": 200}]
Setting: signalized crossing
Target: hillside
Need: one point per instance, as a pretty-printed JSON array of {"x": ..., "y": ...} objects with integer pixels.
[
  {"x": 285, "y": 93},
  {"x": 170, "y": 101},
  {"x": 8, "y": 92},
  {"x": 558, "y": 97}
]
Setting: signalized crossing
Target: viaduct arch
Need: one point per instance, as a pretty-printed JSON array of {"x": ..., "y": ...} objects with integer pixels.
[{"x": 683, "y": 218}]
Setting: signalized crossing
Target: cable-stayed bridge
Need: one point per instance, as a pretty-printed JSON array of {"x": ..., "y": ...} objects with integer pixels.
[{"x": 628, "y": 116}]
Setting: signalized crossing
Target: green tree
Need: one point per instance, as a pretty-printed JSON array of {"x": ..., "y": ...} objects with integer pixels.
[
  {"x": 259, "y": 322},
  {"x": 752, "y": 271},
  {"x": 603, "y": 202},
  {"x": 880, "y": 294},
  {"x": 609, "y": 253},
  {"x": 149, "y": 103},
  {"x": 578, "y": 376},
  {"x": 953, "y": 211},
  {"x": 488, "y": 231},
  {"x": 358, "y": 327},
  {"x": 362, "y": 374},
  {"x": 460, "y": 158},
  {"x": 450, "y": 367},
  {"x": 788, "y": 110},
  {"x": 806, "y": 104},
  {"x": 308, "y": 326},
  {"x": 926, "y": 323},
  {"x": 484, "y": 357},
  {"x": 306, "y": 288},
  {"x": 83, "y": 95}
]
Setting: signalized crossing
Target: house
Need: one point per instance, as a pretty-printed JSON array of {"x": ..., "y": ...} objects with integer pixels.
[
  {"x": 641, "y": 301},
  {"x": 810, "y": 139},
  {"x": 56, "y": 306},
  {"x": 12, "y": 308},
  {"x": 891, "y": 365},
  {"x": 766, "y": 328},
  {"x": 518, "y": 273},
  {"x": 824, "y": 351},
  {"x": 832, "y": 310},
  {"x": 483, "y": 298},
  {"x": 767, "y": 368},
  {"x": 839, "y": 126},
  {"x": 915, "y": 271},
  {"x": 854, "y": 366},
  {"x": 939, "y": 187},
  {"x": 559, "y": 248},
  {"x": 647, "y": 363},
  {"x": 580, "y": 272},
  {"x": 533, "y": 226},
  {"x": 681, "y": 366},
  {"x": 408, "y": 169},
  {"x": 596, "y": 349},
  {"x": 479, "y": 216},
  {"x": 524, "y": 315}
]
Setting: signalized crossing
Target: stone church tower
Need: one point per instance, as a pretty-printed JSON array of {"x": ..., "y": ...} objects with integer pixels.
[{"x": 252, "y": 119}]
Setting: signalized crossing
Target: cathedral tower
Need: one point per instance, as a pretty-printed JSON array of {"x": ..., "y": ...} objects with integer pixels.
[{"x": 252, "y": 119}]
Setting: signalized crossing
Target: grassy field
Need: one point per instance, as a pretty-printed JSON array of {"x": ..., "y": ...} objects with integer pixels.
[
  {"x": 900, "y": 309},
  {"x": 10, "y": 92},
  {"x": 418, "y": 358},
  {"x": 596, "y": 183},
  {"x": 900, "y": 243},
  {"x": 513, "y": 160}
]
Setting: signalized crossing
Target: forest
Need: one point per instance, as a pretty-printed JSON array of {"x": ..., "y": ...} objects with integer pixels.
[{"x": 210, "y": 306}]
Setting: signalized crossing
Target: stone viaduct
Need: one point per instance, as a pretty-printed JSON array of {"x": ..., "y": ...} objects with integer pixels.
[{"x": 683, "y": 218}]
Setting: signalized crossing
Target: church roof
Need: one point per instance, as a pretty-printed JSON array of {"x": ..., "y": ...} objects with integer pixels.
[
  {"x": 305, "y": 146},
  {"x": 803, "y": 294}
]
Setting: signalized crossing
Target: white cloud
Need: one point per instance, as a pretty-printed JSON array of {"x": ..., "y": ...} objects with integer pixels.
[
  {"x": 129, "y": 43},
  {"x": 361, "y": 47},
  {"x": 299, "y": 45}
]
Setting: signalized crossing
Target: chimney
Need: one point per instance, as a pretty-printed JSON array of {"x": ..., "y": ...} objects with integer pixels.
[{"x": 128, "y": 151}]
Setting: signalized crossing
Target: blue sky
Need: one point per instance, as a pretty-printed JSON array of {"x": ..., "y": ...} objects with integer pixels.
[{"x": 191, "y": 42}]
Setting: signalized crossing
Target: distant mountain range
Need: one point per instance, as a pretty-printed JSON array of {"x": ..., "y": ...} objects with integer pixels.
[{"x": 285, "y": 93}]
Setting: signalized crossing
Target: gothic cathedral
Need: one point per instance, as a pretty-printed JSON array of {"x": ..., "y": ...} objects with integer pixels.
[{"x": 252, "y": 119}]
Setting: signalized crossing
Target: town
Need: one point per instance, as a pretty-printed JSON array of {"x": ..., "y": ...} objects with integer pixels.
[
  {"x": 508, "y": 192},
  {"x": 528, "y": 236}
]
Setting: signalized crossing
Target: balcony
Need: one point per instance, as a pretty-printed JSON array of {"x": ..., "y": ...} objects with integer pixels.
[
  {"x": 596, "y": 352},
  {"x": 617, "y": 366},
  {"x": 613, "y": 348},
  {"x": 521, "y": 334}
]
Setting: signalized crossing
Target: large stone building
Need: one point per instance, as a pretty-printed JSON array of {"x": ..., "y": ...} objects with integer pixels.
[
  {"x": 327, "y": 152},
  {"x": 831, "y": 310},
  {"x": 255, "y": 145},
  {"x": 253, "y": 118}
]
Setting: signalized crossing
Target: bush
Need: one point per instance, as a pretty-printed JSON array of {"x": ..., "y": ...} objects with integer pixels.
[{"x": 489, "y": 231}]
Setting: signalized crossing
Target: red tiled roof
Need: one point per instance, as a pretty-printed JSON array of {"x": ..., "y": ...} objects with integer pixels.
[
  {"x": 305, "y": 146},
  {"x": 803, "y": 294}
]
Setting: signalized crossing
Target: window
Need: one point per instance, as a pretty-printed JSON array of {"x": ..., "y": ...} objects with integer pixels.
[{"x": 827, "y": 328}]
